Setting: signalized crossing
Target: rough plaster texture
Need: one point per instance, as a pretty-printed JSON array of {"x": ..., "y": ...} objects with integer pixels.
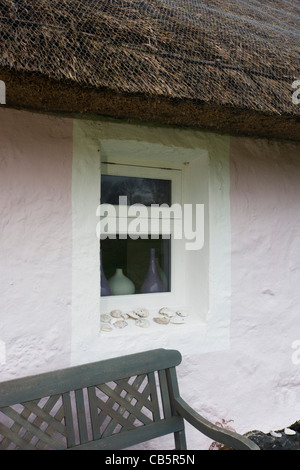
[
  {"x": 36, "y": 242},
  {"x": 242, "y": 370},
  {"x": 265, "y": 196},
  {"x": 255, "y": 384}
]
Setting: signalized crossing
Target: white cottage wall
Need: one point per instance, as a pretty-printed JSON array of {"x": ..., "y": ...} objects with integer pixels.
[
  {"x": 239, "y": 367},
  {"x": 35, "y": 242}
]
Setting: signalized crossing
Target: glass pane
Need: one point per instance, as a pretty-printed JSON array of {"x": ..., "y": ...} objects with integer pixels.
[
  {"x": 136, "y": 266},
  {"x": 144, "y": 191}
]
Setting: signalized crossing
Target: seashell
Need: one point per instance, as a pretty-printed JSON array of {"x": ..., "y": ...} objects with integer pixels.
[
  {"x": 142, "y": 323},
  {"x": 162, "y": 320},
  {"x": 133, "y": 315},
  {"x": 177, "y": 320},
  {"x": 125, "y": 316},
  {"x": 181, "y": 313},
  {"x": 106, "y": 327},
  {"x": 167, "y": 312},
  {"x": 116, "y": 313},
  {"x": 275, "y": 434},
  {"x": 142, "y": 312},
  {"x": 105, "y": 318},
  {"x": 289, "y": 432},
  {"x": 120, "y": 324}
]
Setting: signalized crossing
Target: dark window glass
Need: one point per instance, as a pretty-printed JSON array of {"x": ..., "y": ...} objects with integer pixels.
[
  {"x": 133, "y": 258},
  {"x": 144, "y": 191}
]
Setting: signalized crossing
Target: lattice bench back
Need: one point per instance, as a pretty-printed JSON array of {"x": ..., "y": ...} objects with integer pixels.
[{"x": 112, "y": 404}]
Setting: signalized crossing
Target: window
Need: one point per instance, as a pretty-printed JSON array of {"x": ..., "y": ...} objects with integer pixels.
[
  {"x": 199, "y": 278},
  {"x": 139, "y": 253},
  {"x": 138, "y": 190}
]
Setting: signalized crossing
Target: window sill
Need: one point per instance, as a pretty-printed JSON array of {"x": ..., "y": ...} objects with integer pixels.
[{"x": 133, "y": 339}]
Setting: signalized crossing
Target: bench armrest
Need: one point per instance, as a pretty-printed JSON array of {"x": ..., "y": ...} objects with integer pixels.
[{"x": 218, "y": 434}]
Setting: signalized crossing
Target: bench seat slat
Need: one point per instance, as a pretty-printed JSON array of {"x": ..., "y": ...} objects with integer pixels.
[{"x": 135, "y": 436}]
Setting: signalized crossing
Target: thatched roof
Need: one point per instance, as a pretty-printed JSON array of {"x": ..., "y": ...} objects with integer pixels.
[{"x": 235, "y": 57}]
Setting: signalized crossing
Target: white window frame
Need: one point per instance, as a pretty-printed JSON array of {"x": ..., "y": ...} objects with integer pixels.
[{"x": 152, "y": 300}]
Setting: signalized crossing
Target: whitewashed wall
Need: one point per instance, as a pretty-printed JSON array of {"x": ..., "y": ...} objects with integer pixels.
[
  {"x": 238, "y": 364},
  {"x": 36, "y": 242}
]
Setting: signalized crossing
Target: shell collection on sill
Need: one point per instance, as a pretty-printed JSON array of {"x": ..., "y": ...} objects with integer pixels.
[
  {"x": 140, "y": 317},
  {"x": 142, "y": 323}
]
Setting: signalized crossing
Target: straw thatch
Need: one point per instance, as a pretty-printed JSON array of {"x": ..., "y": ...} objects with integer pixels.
[{"x": 236, "y": 58}]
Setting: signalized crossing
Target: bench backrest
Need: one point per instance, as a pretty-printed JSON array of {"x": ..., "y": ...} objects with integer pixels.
[{"x": 111, "y": 404}]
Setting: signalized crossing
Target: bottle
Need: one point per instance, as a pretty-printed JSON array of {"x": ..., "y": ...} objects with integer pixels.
[
  {"x": 120, "y": 284},
  {"x": 152, "y": 281}
]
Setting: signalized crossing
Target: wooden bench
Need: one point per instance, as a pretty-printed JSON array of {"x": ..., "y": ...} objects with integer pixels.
[{"x": 112, "y": 404}]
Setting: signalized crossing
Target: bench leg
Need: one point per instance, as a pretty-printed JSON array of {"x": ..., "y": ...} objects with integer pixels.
[{"x": 180, "y": 441}]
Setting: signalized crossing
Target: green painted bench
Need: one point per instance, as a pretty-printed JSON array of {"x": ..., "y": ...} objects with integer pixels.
[{"x": 112, "y": 404}]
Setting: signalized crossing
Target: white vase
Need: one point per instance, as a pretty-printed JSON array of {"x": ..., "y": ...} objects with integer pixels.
[{"x": 120, "y": 284}]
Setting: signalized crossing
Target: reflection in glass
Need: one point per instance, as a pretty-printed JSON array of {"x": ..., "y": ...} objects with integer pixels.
[{"x": 144, "y": 191}]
